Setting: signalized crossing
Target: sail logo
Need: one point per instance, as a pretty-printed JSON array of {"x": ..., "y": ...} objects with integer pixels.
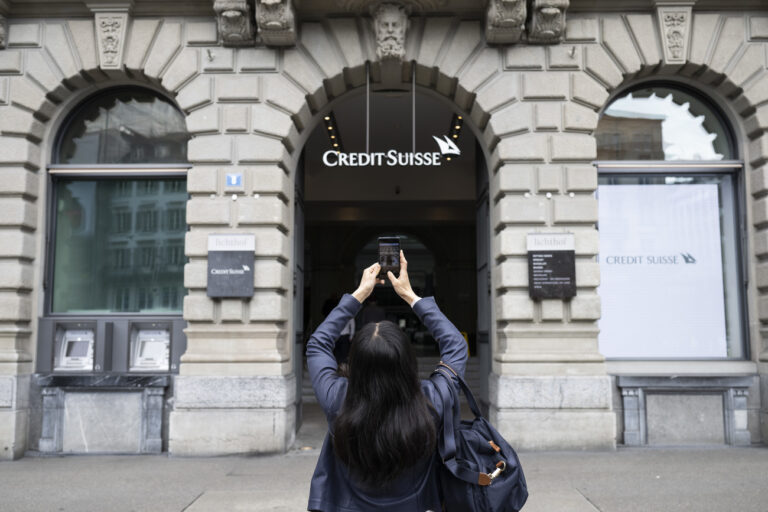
[{"x": 447, "y": 146}]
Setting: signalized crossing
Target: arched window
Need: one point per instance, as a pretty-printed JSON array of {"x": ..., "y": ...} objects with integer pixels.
[
  {"x": 669, "y": 227},
  {"x": 119, "y": 195},
  {"x": 124, "y": 127},
  {"x": 662, "y": 123}
]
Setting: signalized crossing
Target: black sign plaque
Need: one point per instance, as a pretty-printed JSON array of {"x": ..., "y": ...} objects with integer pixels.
[
  {"x": 230, "y": 265},
  {"x": 551, "y": 266}
]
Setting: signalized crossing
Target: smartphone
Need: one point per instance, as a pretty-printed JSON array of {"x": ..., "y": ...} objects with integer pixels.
[{"x": 389, "y": 255}]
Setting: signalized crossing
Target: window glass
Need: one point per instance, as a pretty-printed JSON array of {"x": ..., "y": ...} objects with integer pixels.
[
  {"x": 130, "y": 126},
  {"x": 660, "y": 123},
  {"x": 669, "y": 267},
  {"x": 119, "y": 245}
]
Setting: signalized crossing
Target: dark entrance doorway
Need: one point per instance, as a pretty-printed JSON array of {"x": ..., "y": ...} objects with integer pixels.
[{"x": 439, "y": 211}]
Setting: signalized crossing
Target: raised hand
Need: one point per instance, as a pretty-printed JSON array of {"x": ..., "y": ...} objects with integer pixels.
[
  {"x": 402, "y": 284},
  {"x": 367, "y": 282}
]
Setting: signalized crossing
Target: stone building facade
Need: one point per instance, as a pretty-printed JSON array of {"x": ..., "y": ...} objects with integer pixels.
[{"x": 253, "y": 79}]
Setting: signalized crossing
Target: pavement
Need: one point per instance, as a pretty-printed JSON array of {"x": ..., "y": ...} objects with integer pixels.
[{"x": 690, "y": 479}]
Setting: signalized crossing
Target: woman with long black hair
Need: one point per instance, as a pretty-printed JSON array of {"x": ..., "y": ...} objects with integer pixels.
[{"x": 380, "y": 451}]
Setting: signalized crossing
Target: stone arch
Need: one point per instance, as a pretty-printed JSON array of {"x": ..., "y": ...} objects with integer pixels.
[
  {"x": 538, "y": 147},
  {"x": 39, "y": 83},
  {"x": 732, "y": 73},
  {"x": 65, "y": 66},
  {"x": 40, "y": 79},
  {"x": 724, "y": 65},
  {"x": 329, "y": 61}
]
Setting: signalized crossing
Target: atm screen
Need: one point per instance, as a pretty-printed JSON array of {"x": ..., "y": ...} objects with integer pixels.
[
  {"x": 153, "y": 349},
  {"x": 150, "y": 350},
  {"x": 77, "y": 348}
]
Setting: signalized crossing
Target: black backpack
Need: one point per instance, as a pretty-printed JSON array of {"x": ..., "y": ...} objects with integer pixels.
[{"x": 480, "y": 470}]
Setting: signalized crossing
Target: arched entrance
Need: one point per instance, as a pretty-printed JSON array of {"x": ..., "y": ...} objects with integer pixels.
[{"x": 372, "y": 167}]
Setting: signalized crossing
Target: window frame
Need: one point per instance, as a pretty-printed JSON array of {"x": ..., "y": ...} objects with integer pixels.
[
  {"x": 112, "y": 346},
  {"x": 88, "y": 172},
  {"x": 717, "y": 111},
  {"x": 734, "y": 168},
  {"x": 50, "y": 250},
  {"x": 63, "y": 128}
]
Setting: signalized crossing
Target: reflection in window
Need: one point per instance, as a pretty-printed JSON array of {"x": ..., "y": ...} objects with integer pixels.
[
  {"x": 661, "y": 123},
  {"x": 147, "y": 187},
  {"x": 100, "y": 264},
  {"x": 121, "y": 221},
  {"x": 146, "y": 220},
  {"x": 125, "y": 126},
  {"x": 174, "y": 219},
  {"x": 122, "y": 299},
  {"x": 175, "y": 254},
  {"x": 121, "y": 258}
]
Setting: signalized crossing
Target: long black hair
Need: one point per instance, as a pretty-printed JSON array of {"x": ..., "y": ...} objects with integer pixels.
[{"x": 385, "y": 424}]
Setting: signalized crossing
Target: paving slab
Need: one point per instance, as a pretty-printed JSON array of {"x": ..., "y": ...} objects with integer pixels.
[{"x": 664, "y": 479}]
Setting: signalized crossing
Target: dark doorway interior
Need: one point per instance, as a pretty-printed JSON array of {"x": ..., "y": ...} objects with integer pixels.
[
  {"x": 439, "y": 211},
  {"x": 441, "y": 263}
]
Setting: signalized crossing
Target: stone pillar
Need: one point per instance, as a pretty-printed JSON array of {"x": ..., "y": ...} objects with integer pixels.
[
  {"x": 759, "y": 186},
  {"x": 17, "y": 256},
  {"x": 20, "y": 162},
  {"x": 235, "y": 392},
  {"x": 549, "y": 388}
]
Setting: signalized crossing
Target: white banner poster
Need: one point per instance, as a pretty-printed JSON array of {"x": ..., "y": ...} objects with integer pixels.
[{"x": 661, "y": 272}]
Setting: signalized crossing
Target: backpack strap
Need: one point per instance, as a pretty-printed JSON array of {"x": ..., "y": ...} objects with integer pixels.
[
  {"x": 449, "y": 397},
  {"x": 465, "y": 388},
  {"x": 447, "y": 443}
]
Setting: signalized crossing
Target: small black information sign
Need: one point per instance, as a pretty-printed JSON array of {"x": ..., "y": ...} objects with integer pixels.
[
  {"x": 551, "y": 266},
  {"x": 230, "y": 265}
]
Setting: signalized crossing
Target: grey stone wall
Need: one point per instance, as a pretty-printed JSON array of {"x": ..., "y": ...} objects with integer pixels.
[{"x": 251, "y": 109}]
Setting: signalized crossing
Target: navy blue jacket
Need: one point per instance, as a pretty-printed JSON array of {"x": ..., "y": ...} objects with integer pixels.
[{"x": 332, "y": 488}]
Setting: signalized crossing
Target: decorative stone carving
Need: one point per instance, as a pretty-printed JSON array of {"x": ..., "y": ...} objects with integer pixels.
[
  {"x": 234, "y": 21},
  {"x": 547, "y": 22},
  {"x": 505, "y": 21},
  {"x": 390, "y": 22},
  {"x": 3, "y": 33},
  {"x": 110, "y": 35},
  {"x": 674, "y": 25},
  {"x": 276, "y": 20},
  {"x": 111, "y": 20}
]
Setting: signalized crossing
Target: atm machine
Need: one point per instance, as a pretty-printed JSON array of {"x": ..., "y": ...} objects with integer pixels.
[{"x": 106, "y": 374}]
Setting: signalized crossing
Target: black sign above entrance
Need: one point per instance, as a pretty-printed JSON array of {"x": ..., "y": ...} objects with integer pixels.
[
  {"x": 230, "y": 265},
  {"x": 551, "y": 265}
]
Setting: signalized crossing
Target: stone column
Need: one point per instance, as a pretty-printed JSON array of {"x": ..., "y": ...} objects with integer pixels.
[
  {"x": 20, "y": 161},
  {"x": 235, "y": 392},
  {"x": 549, "y": 388},
  {"x": 759, "y": 189}
]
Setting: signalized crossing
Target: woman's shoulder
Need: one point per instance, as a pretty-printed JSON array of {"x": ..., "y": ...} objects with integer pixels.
[{"x": 429, "y": 388}]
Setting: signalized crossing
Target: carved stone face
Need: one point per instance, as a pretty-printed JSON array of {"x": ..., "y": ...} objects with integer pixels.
[
  {"x": 391, "y": 22},
  {"x": 234, "y": 24},
  {"x": 548, "y": 20}
]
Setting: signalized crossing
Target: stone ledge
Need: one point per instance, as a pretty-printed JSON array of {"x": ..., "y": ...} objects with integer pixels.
[
  {"x": 197, "y": 392},
  {"x": 556, "y": 429},
  {"x": 204, "y": 432},
  {"x": 555, "y": 392}
]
